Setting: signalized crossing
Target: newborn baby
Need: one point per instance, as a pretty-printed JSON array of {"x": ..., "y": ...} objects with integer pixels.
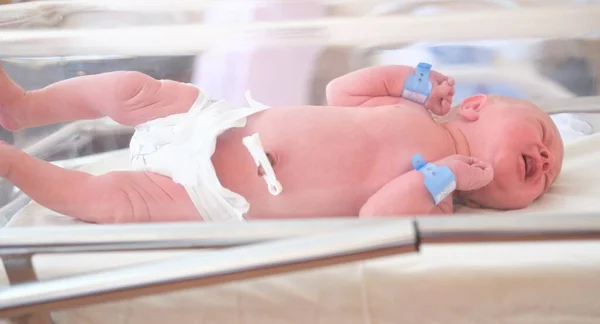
[{"x": 374, "y": 151}]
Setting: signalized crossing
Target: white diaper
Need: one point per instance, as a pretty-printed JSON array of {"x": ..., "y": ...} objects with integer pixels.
[{"x": 181, "y": 146}]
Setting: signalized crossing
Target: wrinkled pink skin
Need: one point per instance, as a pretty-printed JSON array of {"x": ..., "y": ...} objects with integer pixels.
[{"x": 351, "y": 158}]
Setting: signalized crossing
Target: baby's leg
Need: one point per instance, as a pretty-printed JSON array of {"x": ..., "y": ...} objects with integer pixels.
[
  {"x": 129, "y": 98},
  {"x": 116, "y": 197}
]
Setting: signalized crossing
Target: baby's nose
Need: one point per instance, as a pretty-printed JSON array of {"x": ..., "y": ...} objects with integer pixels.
[{"x": 547, "y": 160}]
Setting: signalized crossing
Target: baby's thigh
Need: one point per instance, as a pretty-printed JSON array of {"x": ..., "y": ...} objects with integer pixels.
[{"x": 158, "y": 197}]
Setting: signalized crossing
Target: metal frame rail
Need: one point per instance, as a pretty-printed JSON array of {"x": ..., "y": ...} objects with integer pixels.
[{"x": 241, "y": 251}]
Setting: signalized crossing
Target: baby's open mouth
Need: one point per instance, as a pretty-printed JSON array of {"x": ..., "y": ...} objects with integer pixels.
[{"x": 530, "y": 166}]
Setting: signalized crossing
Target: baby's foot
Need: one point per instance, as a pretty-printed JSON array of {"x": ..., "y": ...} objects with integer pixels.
[
  {"x": 440, "y": 99},
  {"x": 9, "y": 93}
]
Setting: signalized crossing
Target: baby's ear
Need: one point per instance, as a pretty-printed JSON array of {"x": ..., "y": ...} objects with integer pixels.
[{"x": 471, "y": 107}]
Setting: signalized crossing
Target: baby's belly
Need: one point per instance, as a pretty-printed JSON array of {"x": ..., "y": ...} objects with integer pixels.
[
  {"x": 316, "y": 183},
  {"x": 325, "y": 170}
]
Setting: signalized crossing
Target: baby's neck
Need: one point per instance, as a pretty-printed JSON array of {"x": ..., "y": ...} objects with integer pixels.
[{"x": 461, "y": 145}]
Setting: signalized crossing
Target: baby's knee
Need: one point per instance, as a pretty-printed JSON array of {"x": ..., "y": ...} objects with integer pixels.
[
  {"x": 132, "y": 92},
  {"x": 131, "y": 84}
]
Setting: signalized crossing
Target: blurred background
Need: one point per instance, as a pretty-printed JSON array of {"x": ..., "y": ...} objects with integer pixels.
[{"x": 293, "y": 74}]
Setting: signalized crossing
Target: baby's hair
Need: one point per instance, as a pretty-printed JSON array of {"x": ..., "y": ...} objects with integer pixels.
[{"x": 505, "y": 99}]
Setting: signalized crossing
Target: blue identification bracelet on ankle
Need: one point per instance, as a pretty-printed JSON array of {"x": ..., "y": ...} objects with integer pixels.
[
  {"x": 417, "y": 87},
  {"x": 439, "y": 181}
]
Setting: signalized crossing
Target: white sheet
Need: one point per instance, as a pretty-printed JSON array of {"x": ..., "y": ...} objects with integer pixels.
[{"x": 485, "y": 283}]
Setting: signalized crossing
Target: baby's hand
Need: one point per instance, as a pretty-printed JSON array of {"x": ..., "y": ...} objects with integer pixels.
[
  {"x": 470, "y": 172},
  {"x": 440, "y": 98}
]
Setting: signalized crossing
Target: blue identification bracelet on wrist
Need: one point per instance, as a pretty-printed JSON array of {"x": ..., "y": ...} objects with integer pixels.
[
  {"x": 417, "y": 87},
  {"x": 439, "y": 181}
]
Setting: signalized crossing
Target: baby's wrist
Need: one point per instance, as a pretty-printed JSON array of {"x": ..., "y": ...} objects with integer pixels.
[
  {"x": 439, "y": 180},
  {"x": 417, "y": 87}
]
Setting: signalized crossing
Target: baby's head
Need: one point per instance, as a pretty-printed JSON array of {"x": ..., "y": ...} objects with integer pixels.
[{"x": 520, "y": 141}]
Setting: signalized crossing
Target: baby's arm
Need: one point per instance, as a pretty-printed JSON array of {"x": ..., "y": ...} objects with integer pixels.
[
  {"x": 405, "y": 195},
  {"x": 116, "y": 197},
  {"x": 383, "y": 85},
  {"x": 408, "y": 195}
]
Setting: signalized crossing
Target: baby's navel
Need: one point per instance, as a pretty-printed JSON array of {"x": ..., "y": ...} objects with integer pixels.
[{"x": 272, "y": 162}]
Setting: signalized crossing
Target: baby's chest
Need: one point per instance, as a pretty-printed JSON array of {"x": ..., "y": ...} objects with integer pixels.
[
  {"x": 410, "y": 137},
  {"x": 371, "y": 153},
  {"x": 407, "y": 133}
]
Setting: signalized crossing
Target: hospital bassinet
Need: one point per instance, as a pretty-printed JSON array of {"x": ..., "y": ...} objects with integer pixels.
[{"x": 538, "y": 265}]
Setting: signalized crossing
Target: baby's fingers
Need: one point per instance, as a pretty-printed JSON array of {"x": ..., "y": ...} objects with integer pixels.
[
  {"x": 440, "y": 99},
  {"x": 481, "y": 174},
  {"x": 451, "y": 82},
  {"x": 471, "y": 173},
  {"x": 437, "y": 78}
]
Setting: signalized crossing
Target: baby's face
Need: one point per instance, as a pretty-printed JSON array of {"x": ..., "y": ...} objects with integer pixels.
[{"x": 525, "y": 149}]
